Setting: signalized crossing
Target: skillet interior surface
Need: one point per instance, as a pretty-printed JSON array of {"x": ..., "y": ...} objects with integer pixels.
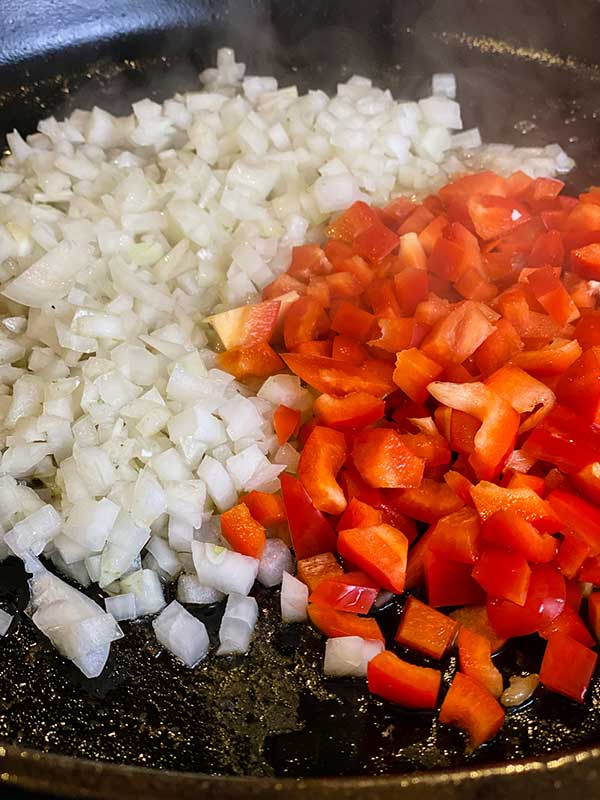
[{"x": 271, "y": 713}]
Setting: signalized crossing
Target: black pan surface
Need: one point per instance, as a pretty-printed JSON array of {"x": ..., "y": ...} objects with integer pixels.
[{"x": 528, "y": 73}]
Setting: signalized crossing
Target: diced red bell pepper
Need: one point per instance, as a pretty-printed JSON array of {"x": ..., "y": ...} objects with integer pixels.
[
  {"x": 433, "y": 449},
  {"x": 589, "y": 571},
  {"x": 573, "y": 595},
  {"x": 565, "y": 440},
  {"x": 336, "y": 377},
  {"x": 470, "y": 707},
  {"x": 571, "y": 624},
  {"x": 520, "y": 480},
  {"x": 494, "y": 216},
  {"x": 489, "y": 499},
  {"x": 353, "y": 221},
  {"x": 447, "y": 259},
  {"x": 397, "y": 334},
  {"x": 594, "y": 614},
  {"x": 460, "y": 485},
  {"x": 411, "y": 253},
  {"x": 356, "y": 266},
  {"x": 462, "y": 430},
  {"x": 397, "y": 211},
  {"x": 267, "y": 509},
  {"x": 402, "y": 683},
  {"x": 425, "y": 630},
  {"x": 305, "y": 320},
  {"x": 577, "y": 517},
  {"x": 587, "y": 330},
  {"x": 585, "y": 261},
  {"x": 572, "y": 552},
  {"x": 359, "y": 515},
  {"x": 320, "y": 461},
  {"x": 242, "y": 531},
  {"x": 344, "y": 348},
  {"x": 319, "y": 290},
  {"x": 354, "y": 411},
  {"x": 308, "y": 260},
  {"x": 513, "y": 306},
  {"x": 503, "y": 574},
  {"x": 416, "y": 221},
  {"x": 551, "y": 294},
  {"x": 587, "y": 481},
  {"x": 286, "y": 422},
  {"x": 475, "y": 619},
  {"x": 508, "y": 530},
  {"x": 318, "y": 348},
  {"x": 548, "y": 250},
  {"x": 352, "y": 321},
  {"x": 412, "y": 286},
  {"x": 456, "y": 536},
  {"x": 432, "y": 310},
  {"x": 343, "y": 285},
  {"x": 337, "y": 251},
  {"x": 427, "y": 503},
  {"x": 384, "y": 461},
  {"x": 449, "y": 583},
  {"x": 376, "y": 242},
  {"x": 477, "y": 183},
  {"x": 311, "y": 532},
  {"x": 430, "y": 234},
  {"x": 458, "y": 336},
  {"x": 498, "y": 348},
  {"x": 355, "y": 486},
  {"x": 567, "y": 667},
  {"x": 334, "y": 623},
  {"x": 579, "y": 387},
  {"x": 352, "y": 592},
  {"x": 414, "y": 372},
  {"x": 500, "y": 422},
  {"x": 381, "y": 295},
  {"x": 545, "y": 601},
  {"x": 247, "y": 325},
  {"x": 553, "y": 359},
  {"x": 282, "y": 285},
  {"x": 256, "y": 361},
  {"x": 523, "y": 392},
  {"x": 475, "y": 659},
  {"x": 315, "y": 569},
  {"x": 380, "y": 551}
]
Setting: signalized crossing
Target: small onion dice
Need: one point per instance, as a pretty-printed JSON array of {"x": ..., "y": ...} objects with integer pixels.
[
  {"x": 182, "y": 634},
  {"x": 349, "y": 655},
  {"x": 294, "y": 599}
]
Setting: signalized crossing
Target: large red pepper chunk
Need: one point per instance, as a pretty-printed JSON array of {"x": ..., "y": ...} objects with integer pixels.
[
  {"x": 334, "y": 623},
  {"x": 402, "y": 683},
  {"x": 570, "y": 623},
  {"x": 457, "y": 336},
  {"x": 268, "y": 509},
  {"x": 503, "y": 574},
  {"x": 429, "y": 502},
  {"x": 352, "y": 412},
  {"x": 384, "y": 461},
  {"x": 579, "y": 387},
  {"x": 414, "y": 372},
  {"x": 499, "y": 423},
  {"x": 562, "y": 438},
  {"x": 242, "y": 531},
  {"x": 489, "y": 499},
  {"x": 577, "y": 517},
  {"x": 311, "y": 533},
  {"x": 332, "y": 376},
  {"x": 359, "y": 515},
  {"x": 470, "y": 707},
  {"x": 314, "y": 569},
  {"x": 456, "y": 536},
  {"x": 425, "y": 630},
  {"x": 353, "y": 592},
  {"x": 545, "y": 601},
  {"x": 475, "y": 659},
  {"x": 380, "y": 551},
  {"x": 322, "y": 457},
  {"x": 508, "y": 530},
  {"x": 524, "y": 393},
  {"x": 305, "y": 320},
  {"x": 567, "y": 667},
  {"x": 449, "y": 583}
]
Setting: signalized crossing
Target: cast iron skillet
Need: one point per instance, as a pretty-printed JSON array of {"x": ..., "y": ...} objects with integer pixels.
[{"x": 268, "y": 724}]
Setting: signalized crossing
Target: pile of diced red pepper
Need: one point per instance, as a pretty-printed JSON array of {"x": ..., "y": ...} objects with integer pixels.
[{"x": 455, "y": 442}]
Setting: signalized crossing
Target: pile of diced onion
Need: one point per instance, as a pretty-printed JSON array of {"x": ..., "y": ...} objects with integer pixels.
[{"x": 120, "y": 441}]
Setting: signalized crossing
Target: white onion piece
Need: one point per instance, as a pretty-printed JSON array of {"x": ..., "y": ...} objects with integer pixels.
[
  {"x": 35, "y": 531},
  {"x": 191, "y": 592},
  {"x": 182, "y": 634},
  {"x": 275, "y": 560},
  {"x": 223, "y": 569},
  {"x": 89, "y": 522},
  {"x": 237, "y": 625},
  {"x": 5, "y": 622},
  {"x": 165, "y": 557},
  {"x": 294, "y": 599},
  {"x": 125, "y": 543},
  {"x": 146, "y": 586},
  {"x": 349, "y": 655},
  {"x": 121, "y": 606}
]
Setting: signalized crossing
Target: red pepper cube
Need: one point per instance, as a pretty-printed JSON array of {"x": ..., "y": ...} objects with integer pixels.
[
  {"x": 334, "y": 623},
  {"x": 567, "y": 667},
  {"x": 494, "y": 217},
  {"x": 475, "y": 659},
  {"x": 286, "y": 422},
  {"x": 457, "y": 336},
  {"x": 577, "y": 517},
  {"x": 551, "y": 294},
  {"x": 352, "y": 412},
  {"x": 571, "y": 555},
  {"x": 268, "y": 509},
  {"x": 585, "y": 261},
  {"x": 359, "y": 515},
  {"x": 352, "y": 321},
  {"x": 473, "y": 709},
  {"x": 499, "y": 347},
  {"x": 344, "y": 348},
  {"x": 384, "y": 461},
  {"x": 414, "y": 372},
  {"x": 304, "y": 321},
  {"x": 449, "y": 583},
  {"x": 579, "y": 387},
  {"x": 521, "y": 480},
  {"x": 587, "y": 481},
  {"x": 412, "y": 286},
  {"x": 425, "y": 630},
  {"x": 308, "y": 260},
  {"x": 242, "y": 531},
  {"x": 433, "y": 232},
  {"x": 320, "y": 461},
  {"x": 380, "y": 551},
  {"x": 552, "y": 359},
  {"x": 417, "y": 221},
  {"x": 429, "y": 502},
  {"x": 590, "y": 571},
  {"x": 333, "y": 376},
  {"x": 594, "y": 613},
  {"x": 475, "y": 619},
  {"x": 310, "y": 531},
  {"x": 508, "y": 530},
  {"x": 355, "y": 219},
  {"x": 402, "y": 683},
  {"x": 570, "y": 623},
  {"x": 396, "y": 334},
  {"x": 353, "y": 592},
  {"x": 587, "y": 330},
  {"x": 562, "y": 438},
  {"x": 255, "y": 361},
  {"x": 489, "y": 498},
  {"x": 456, "y": 536},
  {"x": 315, "y": 569},
  {"x": 376, "y": 242},
  {"x": 503, "y": 574}
]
